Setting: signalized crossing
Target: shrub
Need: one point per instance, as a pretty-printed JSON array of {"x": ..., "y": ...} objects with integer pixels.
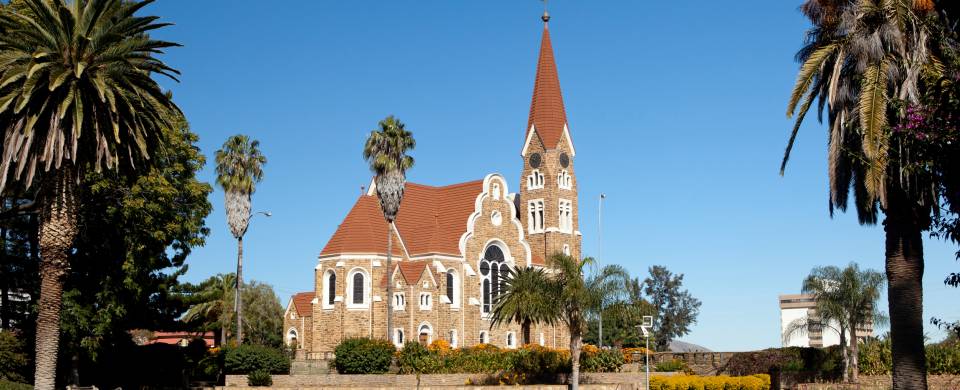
[
  {"x": 246, "y": 359},
  {"x": 675, "y": 365},
  {"x": 538, "y": 363},
  {"x": 722, "y": 382},
  {"x": 8, "y": 385},
  {"x": 875, "y": 357},
  {"x": 943, "y": 359},
  {"x": 14, "y": 361},
  {"x": 259, "y": 378},
  {"x": 440, "y": 346},
  {"x": 363, "y": 356},
  {"x": 415, "y": 359},
  {"x": 635, "y": 355},
  {"x": 608, "y": 360}
]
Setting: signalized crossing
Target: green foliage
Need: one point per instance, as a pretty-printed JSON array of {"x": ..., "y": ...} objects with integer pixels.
[
  {"x": 386, "y": 148},
  {"x": 365, "y": 356},
  {"x": 539, "y": 364},
  {"x": 820, "y": 363},
  {"x": 676, "y": 309},
  {"x": 14, "y": 358},
  {"x": 875, "y": 357},
  {"x": 8, "y": 385},
  {"x": 240, "y": 164},
  {"x": 136, "y": 234},
  {"x": 414, "y": 358},
  {"x": 249, "y": 358},
  {"x": 262, "y": 315},
  {"x": 674, "y": 365},
  {"x": 943, "y": 359},
  {"x": 259, "y": 378},
  {"x": 522, "y": 300},
  {"x": 604, "y": 360}
]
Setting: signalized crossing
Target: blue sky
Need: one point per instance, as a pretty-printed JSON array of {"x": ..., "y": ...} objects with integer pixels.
[{"x": 676, "y": 108}]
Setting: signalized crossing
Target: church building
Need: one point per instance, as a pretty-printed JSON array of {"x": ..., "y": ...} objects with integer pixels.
[{"x": 453, "y": 245}]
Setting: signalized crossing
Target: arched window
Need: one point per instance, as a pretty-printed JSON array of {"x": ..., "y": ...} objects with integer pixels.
[
  {"x": 331, "y": 287},
  {"x": 564, "y": 180},
  {"x": 453, "y": 338},
  {"x": 292, "y": 338},
  {"x": 511, "y": 340},
  {"x": 425, "y": 334},
  {"x": 483, "y": 337},
  {"x": 358, "y": 289},
  {"x": 535, "y": 180},
  {"x": 398, "y": 336},
  {"x": 328, "y": 291},
  {"x": 496, "y": 191},
  {"x": 450, "y": 287},
  {"x": 493, "y": 268}
]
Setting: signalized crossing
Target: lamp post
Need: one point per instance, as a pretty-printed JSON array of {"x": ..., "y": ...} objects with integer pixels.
[
  {"x": 644, "y": 327},
  {"x": 237, "y": 302},
  {"x": 600, "y": 258}
]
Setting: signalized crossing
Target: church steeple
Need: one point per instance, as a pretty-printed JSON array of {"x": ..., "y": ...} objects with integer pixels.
[
  {"x": 548, "y": 118},
  {"x": 548, "y": 184}
]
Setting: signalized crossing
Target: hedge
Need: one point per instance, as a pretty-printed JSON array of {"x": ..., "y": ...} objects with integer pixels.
[
  {"x": 363, "y": 356},
  {"x": 528, "y": 364},
  {"x": 876, "y": 358},
  {"x": 246, "y": 359},
  {"x": 722, "y": 382}
]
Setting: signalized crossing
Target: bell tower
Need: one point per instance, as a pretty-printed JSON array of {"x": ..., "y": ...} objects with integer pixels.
[{"x": 548, "y": 185}]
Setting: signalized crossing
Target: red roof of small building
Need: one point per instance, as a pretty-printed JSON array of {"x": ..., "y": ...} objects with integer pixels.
[
  {"x": 302, "y": 303},
  {"x": 430, "y": 221},
  {"x": 547, "y": 113},
  {"x": 181, "y": 338}
]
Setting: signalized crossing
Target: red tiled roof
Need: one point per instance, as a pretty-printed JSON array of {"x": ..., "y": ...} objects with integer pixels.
[
  {"x": 430, "y": 220},
  {"x": 547, "y": 113},
  {"x": 178, "y": 338},
  {"x": 302, "y": 303},
  {"x": 410, "y": 271}
]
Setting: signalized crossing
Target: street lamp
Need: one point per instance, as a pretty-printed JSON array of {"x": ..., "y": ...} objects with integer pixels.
[
  {"x": 265, "y": 213},
  {"x": 237, "y": 304},
  {"x": 644, "y": 327}
]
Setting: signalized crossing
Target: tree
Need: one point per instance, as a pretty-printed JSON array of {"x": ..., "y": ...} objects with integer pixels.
[
  {"x": 210, "y": 304},
  {"x": 620, "y": 317},
  {"x": 847, "y": 297},
  {"x": 264, "y": 314},
  {"x": 76, "y": 92},
  {"x": 572, "y": 297},
  {"x": 676, "y": 309},
  {"x": 522, "y": 300},
  {"x": 239, "y": 169},
  {"x": 386, "y": 152},
  {"x": 862, "y": 60},
  {"x": 606, "y": 287}
]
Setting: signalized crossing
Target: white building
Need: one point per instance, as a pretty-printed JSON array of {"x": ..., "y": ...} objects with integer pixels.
[{"x": 800, "y": 309}]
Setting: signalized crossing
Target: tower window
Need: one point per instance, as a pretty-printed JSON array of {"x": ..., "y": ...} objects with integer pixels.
[
  {"x": 535, "y": 220},
  {"x": 564, "y": 180},
  {"x": 358, "y": 291},
  {"x": 425, "y": 301},
  {"x": 565, "y": 210},
  {"x": 535, "y": 180},
  {"x": 399, "y": 301}
]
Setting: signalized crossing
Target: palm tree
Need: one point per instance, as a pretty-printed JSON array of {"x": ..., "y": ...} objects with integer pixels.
[
  {"x": 572, "y": 297},
  {"x": 522, "y": 300},
  {"x": 849, "y": 296},
  {"x": 859, "y": 57},
  {"x": 76, "y": 93},
  {"x": 239, "y": 169},
  {"x": 386, "y": 152},
  {"x": 211, "y": 302},
  {"x": 606, "y": 286}
]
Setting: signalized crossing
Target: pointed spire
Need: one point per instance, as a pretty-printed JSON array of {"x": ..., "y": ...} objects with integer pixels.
[{"x": 547, "y": 114}]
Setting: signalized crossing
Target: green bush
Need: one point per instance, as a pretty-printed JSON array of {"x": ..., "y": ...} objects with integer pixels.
[
  {"x": 416, "y": 359},
  {"x": 14, "y": 360},
  {"x": 249, "y": 358},
  {"x": 675, "y": 365},
  {"x": 607, "y": 360},
  {"x": 943, "y": 359},
  {"x": 538, "y": 364},
  {"x": 8, "y": 385},
  {"x": 363, "y": 356},
  {"x": 259, "y": 378}
]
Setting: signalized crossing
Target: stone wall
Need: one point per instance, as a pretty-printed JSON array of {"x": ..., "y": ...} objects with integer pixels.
[
  {"x": 934, "y": 382},
  {"x": 392, "y": 381}
]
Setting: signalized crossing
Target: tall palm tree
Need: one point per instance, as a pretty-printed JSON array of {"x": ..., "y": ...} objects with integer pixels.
[
  {"x": 572, "y": 297},
  {"x": 522, "y": 300},
  {"x": 848, "y": 296},
  {"x": 76, "y": 93},
  {"x": 210, "y": 304},
  {"x": 859, "y": 57},
  {"x": 239, "y": 169},
  {"x": 386, "y": 152}
]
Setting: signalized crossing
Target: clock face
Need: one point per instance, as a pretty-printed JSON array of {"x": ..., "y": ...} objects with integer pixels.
[
  {"x": 564, "y": 160},
  {"x": 535, "y": 160}
]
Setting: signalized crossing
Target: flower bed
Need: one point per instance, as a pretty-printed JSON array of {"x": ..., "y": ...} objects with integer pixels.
[{"x": 722, "y": 382}]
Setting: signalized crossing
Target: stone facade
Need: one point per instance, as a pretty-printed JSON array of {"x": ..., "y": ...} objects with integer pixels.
[{"x": 298, "y": 321}]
